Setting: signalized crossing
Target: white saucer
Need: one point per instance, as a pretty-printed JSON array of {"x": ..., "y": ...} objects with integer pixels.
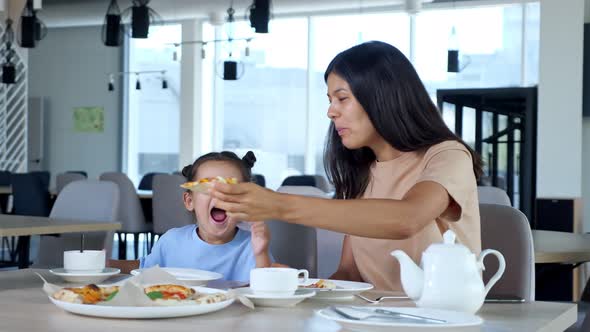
[
  {"x": 345, "y": 290},
  {"x": 276, "y": 300},
  {"x": 192, "y": 277},
  {"x": 454, "y": 321},
  {"x": 85, "y": 277}
]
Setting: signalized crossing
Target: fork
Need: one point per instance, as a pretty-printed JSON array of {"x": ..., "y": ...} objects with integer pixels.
[
  {"x": 384, "y": 314},
  {"x": 381, "y": 298}
]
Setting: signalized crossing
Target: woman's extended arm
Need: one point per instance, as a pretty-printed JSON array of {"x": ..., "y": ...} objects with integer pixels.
[{"x": 375, "y": 218}]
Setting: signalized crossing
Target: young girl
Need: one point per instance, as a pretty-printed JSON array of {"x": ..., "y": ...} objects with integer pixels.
[{"x": 215, "y": 243}]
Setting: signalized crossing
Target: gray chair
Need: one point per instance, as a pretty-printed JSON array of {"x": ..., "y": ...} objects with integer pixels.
[
  {"x": 130, "y": 213},
  {"x": 329, "y": 252},
  {"x": 507, "y": 230},
  {"x": 81, "y": 200},
  {"x": 146, "y": 182},
  {"x": 492, "y": 195},
  {"x": 295, "y": 245},
  {"x": 322, "y": 183},
  {"x": 329, "y": 243},
  {"x": 168, "y": 208},
  {"x": 63, "y": 179},
  {"x": 300, "y": 180},
  {"x": 259, "y": 179}
]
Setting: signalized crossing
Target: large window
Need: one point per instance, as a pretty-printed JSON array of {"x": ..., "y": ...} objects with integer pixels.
[
  {"x": 489, "y": 41},
  {"x": 153, "y": 113},
  {"x": 265, "y": 110}
]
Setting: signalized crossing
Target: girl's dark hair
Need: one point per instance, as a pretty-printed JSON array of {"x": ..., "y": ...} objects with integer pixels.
[
  {"x": 244, "y": 165},
  {"x": 387, "y": 86}
]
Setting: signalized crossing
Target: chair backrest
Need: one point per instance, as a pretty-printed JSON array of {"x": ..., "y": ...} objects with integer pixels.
[
  {"x": 329, "y": 252},
  {"x": 81, "y": 200},
  {"x": 168, "y": 208},
  {"x": 303, "y": 190},
  {"x": 329, "y": 243},
  {"x": 295, "y": 245},
  {"x": 322, "y": 183},
  {"x": 44, "y": 176},
  {"x": 259, "y": 179},
  {"x": 130, "y": 212},
  {"x": 87, "y": 200},
  {"x": 30, "y": 196},
  {"x": 63, "y": 179},
  {"x": 492, "y": 195},
  {"x": 5, "y": 178},
  {"x": 507, "y": 230},
  {"x": 79, "y": 172},
  {"x": 300, "y": 180},
  {"x": 147, "y": 180},
  {"x": 4, "y": 182}
]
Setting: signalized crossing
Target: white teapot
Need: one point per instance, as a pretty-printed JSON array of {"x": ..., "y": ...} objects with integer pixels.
[{"x": 450, "y": 278}]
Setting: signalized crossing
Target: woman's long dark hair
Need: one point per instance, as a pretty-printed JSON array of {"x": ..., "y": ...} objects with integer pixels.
[{"x": 387, "y": 86}]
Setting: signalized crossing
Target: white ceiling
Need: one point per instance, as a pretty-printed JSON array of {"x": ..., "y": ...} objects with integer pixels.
[{"x": 91, "y": 12}]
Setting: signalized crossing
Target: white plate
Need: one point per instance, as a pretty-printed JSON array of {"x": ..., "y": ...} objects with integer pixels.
[
  {"x": 455, "y": 321},
  {"x": 191, "y": 277},
  {"x": 276, "y": 300},
  {"x": 85, "y": 277},
  {"x": 145, "y": 312},
  {"x": 344, "y": 289}
]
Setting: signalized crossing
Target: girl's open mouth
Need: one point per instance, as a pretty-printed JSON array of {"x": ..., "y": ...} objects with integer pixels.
[{"x": 218, "y": 215}]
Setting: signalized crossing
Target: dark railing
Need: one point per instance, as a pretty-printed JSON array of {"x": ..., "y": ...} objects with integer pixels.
[{"x": 512, "y": 140}]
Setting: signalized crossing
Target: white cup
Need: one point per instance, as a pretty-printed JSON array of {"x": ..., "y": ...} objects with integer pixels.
[
  {"x": 88, "y": 261},
  {"x": 276, "y": 281}
]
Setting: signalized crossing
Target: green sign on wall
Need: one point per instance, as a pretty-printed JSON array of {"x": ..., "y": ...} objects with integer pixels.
[{"x": 89, "y": 119}]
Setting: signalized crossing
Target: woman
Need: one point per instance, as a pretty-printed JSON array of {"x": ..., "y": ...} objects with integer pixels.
[{"x": 401, "y": 176}]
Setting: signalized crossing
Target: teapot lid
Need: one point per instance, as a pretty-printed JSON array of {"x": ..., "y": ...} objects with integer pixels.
[{"x": 448, "y": 245}]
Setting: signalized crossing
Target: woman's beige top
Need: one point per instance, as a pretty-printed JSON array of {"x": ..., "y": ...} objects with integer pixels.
[{"x": 448, "y": 164}]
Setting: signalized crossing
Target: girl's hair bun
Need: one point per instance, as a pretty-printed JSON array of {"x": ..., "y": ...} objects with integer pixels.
[{"x": 249, "y": 159}]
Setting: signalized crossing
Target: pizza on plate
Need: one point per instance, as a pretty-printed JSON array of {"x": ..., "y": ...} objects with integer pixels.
[
  {"x": 89, "y": 294},
  {"x": 165, "y": 294},
  {"x": 322, "y": 284}
]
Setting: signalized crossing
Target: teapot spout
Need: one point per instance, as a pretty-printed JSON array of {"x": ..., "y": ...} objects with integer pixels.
[{"x": 412, "y": 276}]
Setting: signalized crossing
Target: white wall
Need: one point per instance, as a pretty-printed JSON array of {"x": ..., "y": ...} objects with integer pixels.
[
  {"x": 70, "y": 68},
  {"x": 559, "y": 146},
  {"x": 586, "y": 150}
]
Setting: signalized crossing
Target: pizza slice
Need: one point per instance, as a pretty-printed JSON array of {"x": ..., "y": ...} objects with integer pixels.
[
  {"x": 89, "y": 294},
  {"x": 203, "y": 184},
  {"x": 321, "y": 284}
]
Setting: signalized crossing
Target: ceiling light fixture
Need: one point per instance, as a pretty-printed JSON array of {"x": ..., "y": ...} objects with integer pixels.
[
  {"x": 8, "y": 67},
  {"x": 32, "y": 29},
  {"x": 162, "y": 76},
  {"x": 112, "y": 28},
  {"x": 260, "y": 15}
]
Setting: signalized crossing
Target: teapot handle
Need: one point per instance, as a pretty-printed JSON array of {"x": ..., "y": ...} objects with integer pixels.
[{"x": 501, "y": 267}]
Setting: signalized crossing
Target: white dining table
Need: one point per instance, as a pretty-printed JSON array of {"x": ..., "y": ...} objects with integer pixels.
[
  {"x": 25, "y": 226},
  {"x": 561, "y": 247},
  {"x": 25, "y": 307}
]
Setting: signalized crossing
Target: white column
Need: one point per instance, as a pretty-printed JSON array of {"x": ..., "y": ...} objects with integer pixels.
[
  {"x": 586, "y": 151},
  {"x": 559, "y": 143},
  {"x": 190, "y": 94}
]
